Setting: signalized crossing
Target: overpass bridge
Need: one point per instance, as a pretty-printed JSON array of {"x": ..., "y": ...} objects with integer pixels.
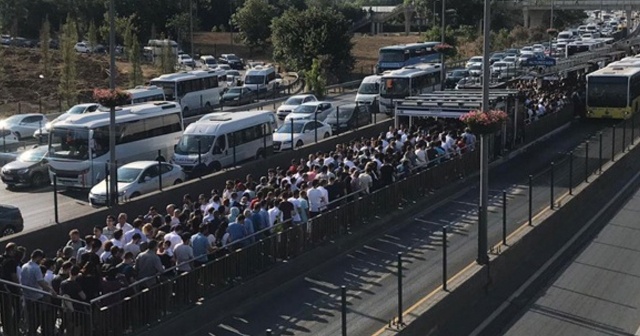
[{"x": 538, "y": 13}]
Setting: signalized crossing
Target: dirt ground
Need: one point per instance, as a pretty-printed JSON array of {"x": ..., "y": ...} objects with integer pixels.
[{"x": 22, "y": 90}]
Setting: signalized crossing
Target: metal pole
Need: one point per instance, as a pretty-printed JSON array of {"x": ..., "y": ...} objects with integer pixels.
[
  {"x": 191, "y": 27},
  {"x": 4, "y": 141},
  {"x": 159, "y": 175},
  {"x": 337, "y": 120},
  {"x": 600, "y": 152},
  {"x": 530, "y": 200},
  {"x": 292, "y": 144},
  {"x": 55, "y": 197},
  {"x": 315, "y": 129},
  {"x": 400, "y": 289},
  {"x": 199, "y": 152},
  {"x": 442, "y": 40},
  {"x": 234, "y": 149},
  {"x": 114, "y": 178},
  {"x": 624, "y": 134},
  {"x": 571, "y": 173},
  {"x": 344, "y": 310},
  {"x": 633, "y": 117},
  {"x": 444, "y": 257},
  {"x": 264, "y": 140},
  {"x": 112, "y": 112},
  {"x": 106, "y": 183},
  {"x": 504, "y": 217},
  {"x": 483, "y": 258},
  {"x": 613, "y": 143},
  {"x": 586, "y": 161},
  {"x": 551, "y": 201}
]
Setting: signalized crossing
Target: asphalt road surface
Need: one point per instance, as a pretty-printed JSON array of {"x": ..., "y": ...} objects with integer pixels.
[
  {"x": 37, "y": 204},
  {"x": 309, "y": 304}
]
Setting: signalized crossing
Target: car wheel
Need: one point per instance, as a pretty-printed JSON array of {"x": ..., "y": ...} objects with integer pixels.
[
  {"x": 326, "y": 135},
  {"x": 18, "y": 136},
  {"x": 8, "y": 230},
  {"x": 178, "y": 181},
  {"x": 299, "y": 143},
  {"x": 38, "y": 179},
  {"x": 134, "y": 195}
]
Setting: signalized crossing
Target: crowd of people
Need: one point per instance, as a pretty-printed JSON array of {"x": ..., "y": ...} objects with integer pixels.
[
  {"x": 547, "y": 97},
  {"x": 179, "y": 237}
]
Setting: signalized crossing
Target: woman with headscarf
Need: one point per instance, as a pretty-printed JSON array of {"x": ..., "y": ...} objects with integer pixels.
[{"x": 233, "y": 214}]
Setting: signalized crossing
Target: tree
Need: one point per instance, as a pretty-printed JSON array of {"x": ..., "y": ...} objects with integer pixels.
[
  {"x": 253, "y": 20},
  {"x": 316, "y": 79},
  {"x": 167, "y": 62},
  {"x": 300, "y": 37},
  {"x": 45, "y": 52},
  {"x": 135, "y": 76},
  {"x": 68, "y": 76},
  {"x": 92, "y": 35},
  {"x": 434, "y": 34},
  {"x": 128, "y": 36}
]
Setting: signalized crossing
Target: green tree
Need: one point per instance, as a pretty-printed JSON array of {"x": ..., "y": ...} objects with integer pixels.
[
  {"x": 435, "y": 34},
  {"x": 122, "y": 24},
  {"x": 68, "y": 76},
  {"x": 92, "y": 34},
  {"x": 128, "y": 39},
  {"x": 45, "y": 52},
  {"x": 167, "y": 63},
  {"x": 316, "y": 79},
  {"x": 135, "y": 76},
  {"x": 253, "y": 20},
  {"x": 299, "y": 37}
]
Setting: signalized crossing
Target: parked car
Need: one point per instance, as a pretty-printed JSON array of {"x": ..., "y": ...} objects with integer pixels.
[
  {"x": 294, "y": 101},
  {"x": 349, "y": 116},
  {"x": 454, "y": 77},
  {"x": 317, "y": 110},
  {"x": 7, "y": 137},
  {"x": 29, "y": 169},
  {"x": 299, "y": 132},
  {"x": 24, "y": 125},
  {"x": 76, "y": 109},
  {"x": 138, "y": 178},
  {"x": 82, "y": 47},
  {"x": 184, "y": 59},
  {"x": 238, "y": 95},
  {"x": 11, "y": 220},
  {"x": 232, "y": 60},
  {"x": 5, "y": 39},
  {"x": 23, "y": 42}
]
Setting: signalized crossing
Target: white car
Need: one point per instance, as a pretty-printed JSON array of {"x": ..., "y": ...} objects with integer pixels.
[
  {"x": 293, "y": 102},
  {"x": 538, "y": 48},
  {"x": 317, "y": 110},
  {"x": 24, "y": 125},
  {"x": 82, "y": 47},
  {"x": 138, "y": 178},
  {"x": 224, "y": 67},
  {"x": 526, "y": 50},
  {"x": 184, "y": 59},
  {"x": 475, "y": 60},
  {"x": 300, "y": 133},
  {"x": 7, "y": 137},
  {"x": 209, "y": 62},
  {"x": 76, "y": 109},
  {"x": 510, "y": 60},
  {"x": 503, "y": 70}
]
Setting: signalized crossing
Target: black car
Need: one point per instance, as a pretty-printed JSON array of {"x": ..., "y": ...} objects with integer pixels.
[
  {"x": 22, "y": 42},
  {"x": 29, "y": 169},
  {"x": 232, "y": 60},
  {"x": 454, "y": 77},
  {"x": 238, "y": 95},
  {"x": 10, "y": 220},
  {"x": 496, "y": 57},
  {"x": 348, "y": 117}
]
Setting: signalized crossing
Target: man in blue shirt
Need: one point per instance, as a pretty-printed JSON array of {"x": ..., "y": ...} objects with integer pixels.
[
  {"x": 38, "y": 311},
  {"x": 237, "y": 233},
  {"x": 201, "y": 246}
]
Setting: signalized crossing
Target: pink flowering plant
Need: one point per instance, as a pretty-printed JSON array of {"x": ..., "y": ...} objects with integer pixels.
[
  {"x": 111, "y": 98},
  {"x": 484, "y": 123},
  {"x": 444, "y": 48}
]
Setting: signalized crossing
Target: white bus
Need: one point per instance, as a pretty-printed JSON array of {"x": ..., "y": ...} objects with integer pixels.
[
  {"x": 261, "y": 78},
  {"x": 406, "y": 82},
  {"x": 369, "y": 90},
  {"x": 220, "y": 136},
  {"x": 156, "y": 47},
  {"x": 142, "y": 94},
  {"x": 79, "y": 145},
  {"x": 194, "y": 90}
]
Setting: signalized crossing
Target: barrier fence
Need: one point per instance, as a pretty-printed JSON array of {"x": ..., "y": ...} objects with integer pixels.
[{"x": 153, "y": 299}]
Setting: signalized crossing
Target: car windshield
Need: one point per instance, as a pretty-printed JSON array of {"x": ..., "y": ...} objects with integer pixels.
[
  {"x": 394, "y": 88},
  {"x": 286, "y": 128},
  {"x": 12, "y": 120},
  {"x": 305, "y": 109},
  {"x": 70, "y": 144},
  {"x": 391, "y": 56},
  {"x": 210, "y": 60},
  {"x": 235, "y": 90},
  {"x": 607, "y": 92},
  {"x": 345, "y": 113},
  {"x": 500, "y": 64},
  {"x": 232, "y": 58},
  {"x": 254, "y": 79},
  {"x": 476, "y": 59},
  {"x": 33, "y": 155},
  {"x": 458, "y": 73},
  {"x": 293, "y": 101},
  {"x": 475, "y": 67},
  {"x": 77, "y": 109},
  {"x": 169, "y": 89},
  {"x": 188, "y": 144},
  {"x": 233, "y": 73},
  {"x": 128, "y": 175},
  {"x": 369, "y": 88}
]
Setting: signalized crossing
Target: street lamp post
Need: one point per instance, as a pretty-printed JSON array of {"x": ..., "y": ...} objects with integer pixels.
[
  {"x": 442, "y": 29},
  {"x": 191, "y": 27},
  {"x": 113, "y": 197},
  {"x": 483, "y": 257}
]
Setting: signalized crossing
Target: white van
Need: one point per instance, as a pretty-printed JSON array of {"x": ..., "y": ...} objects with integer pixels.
[
  {"x": 142, "y": 94},
  {"x": 369, "y": 90},
  {"x": 222, "y": 138},
  {"x": 261, "y": 78}
]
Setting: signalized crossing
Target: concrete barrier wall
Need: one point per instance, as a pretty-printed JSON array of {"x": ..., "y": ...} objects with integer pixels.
[
  {"x": 52, "y": 237},
  {"x": 560, "y": 223}
]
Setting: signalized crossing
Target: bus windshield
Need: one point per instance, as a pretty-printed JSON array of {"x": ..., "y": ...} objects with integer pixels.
[
  {"x": 169, "y": 89},
  {"x": 69, "y": 144},
  {"x": 607, "y": 92},
  {"x": 394, "y": 88},
  {"x": 188, "y": 144},
  {"x": 369, "y": 88},
  {"x": 392, "y": 56},
  {"x": 254, "y": 79}
]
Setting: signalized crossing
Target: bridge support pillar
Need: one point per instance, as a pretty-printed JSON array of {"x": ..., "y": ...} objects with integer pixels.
[{"x": 526, "y": 20}]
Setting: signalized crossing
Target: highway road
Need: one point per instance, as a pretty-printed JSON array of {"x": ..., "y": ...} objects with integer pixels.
[
  {"x": 309, "y": 304},
  {"x": 37, "y": 204}
]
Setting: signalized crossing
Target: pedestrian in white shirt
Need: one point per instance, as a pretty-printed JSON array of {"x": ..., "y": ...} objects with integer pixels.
[
  {"x": 122, "y": 223},
  {"x": 316, "y": 199}
]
